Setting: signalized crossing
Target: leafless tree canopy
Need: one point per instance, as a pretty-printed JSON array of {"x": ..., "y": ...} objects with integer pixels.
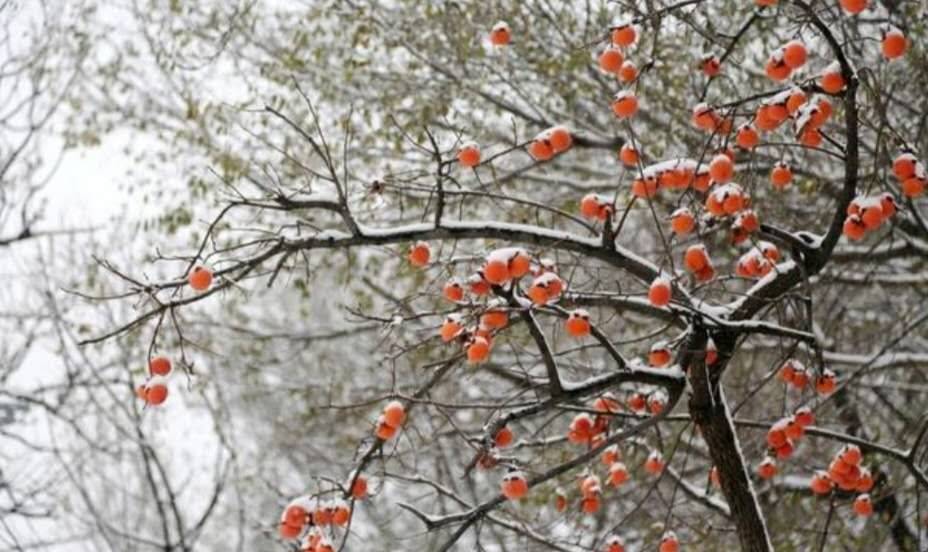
[{"x": 575, "y": 276}]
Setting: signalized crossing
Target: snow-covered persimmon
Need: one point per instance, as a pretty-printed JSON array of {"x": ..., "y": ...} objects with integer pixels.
[
  {"x": 578, "y": 323},
  {"x": 820, "y": 483},
  {"x": 904, "y": 165},
  {"x": 560, "y": 139},
  {"x": 514, "y": 485},
  {"x": 682, "y": 221},
  {"x": 832, "y": 81},
  {"x": 478, "y": 350},
  {"x": 767, "y": 468},
  {"x": 359, "y": 487},
  {"x": 383, "y": 430},
  {"x": 710, "y": 65},
  {"x": 618, "y": 474},
  {"x": 341, "y": 513},
  {"x": 863, "y": 506},
  {"x": 450, "y": 328},
  {"x": 669, "y": 542},
  {"x": 503, "y": 437},
  {"x": 660, "y": 292},
  {"x": 394, "y": 413},
  {"x": 628, "y": 72},
  {"x": 659, "y": 355},
  {"x": 628, "y": 155},
  {"x": 794, "y": 54},
  {"x": 453, "y": 291},
  {"x": 625, "y": 104},
  {"x": 654, "y": 464},
  {"x": 469, "y": 155},
  {"x": 747, "y": 137},
  {"x": 500, "y": 34},
  {"x": 721, "y": 169},
  {"x": 541, "y": 149},
  {"x": 781, "y": 176},
  {"x": 156, "y": 390},
  {"x": 696, "y": 258},
  {"x": 614, "y": 544},
  {"x": 495, "y": 318}
]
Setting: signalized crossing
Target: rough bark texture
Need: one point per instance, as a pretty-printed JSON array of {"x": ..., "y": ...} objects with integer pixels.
[{"x": 710, "y": 413}]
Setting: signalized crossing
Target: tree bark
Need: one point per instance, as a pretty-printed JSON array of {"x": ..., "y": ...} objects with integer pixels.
[{"x": 710, "y": 413}]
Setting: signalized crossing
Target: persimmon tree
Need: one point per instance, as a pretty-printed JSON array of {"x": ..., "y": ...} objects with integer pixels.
[{"x": 645, "y": 274}]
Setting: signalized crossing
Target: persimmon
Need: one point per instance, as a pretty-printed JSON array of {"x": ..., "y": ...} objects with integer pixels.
[
  {"x": 545, "y": 288},
  {"x": 478, "y": 285},
  {"x": 794, "y": 430},
  {"x": 656, "y": 402},
  {"x": 781, "y": 176},
  {"x": 419, "y": 254},
  {"x": 826, "y": 383},
  {"x": 705, "y": 117},
  {"x": 624, "y": 35},
  {"x": 767, "y": 468},
  {"x": 618, "y": 474},
  {"x": 385, "y": 431},
  {"x": 682, "y": 221},
  {"x": 560, "y": 139},
  {"x": 854, "y": 228},
  {"x": 710, "y": 65},
  {"x": 359, "y": 487},
  {"x": 854, "y": 6},
  {"x": 913, "y": 187},
  {"x": 659, "y": 355},
  {"x": 747, "y": 221},
  {"x": 625, "y": 104},
  {"x": 628, "y": 72},
  {"x": 795, "y": 100},
  {"x": 776, "y": 435},
  {"x": 904, "y": 166},
  {"x": 450, "y": 328},
  {"x": 655, "y": 463},
  {"x": 610, "y": 59},
  {"x": 541, "y": 149},
  {"x": 322, "y": 515},
  {"x": 614, "y": 544},
  {"x": 894, "y": 44},
  {"x": 590, "y": 504},
  {"x": 578, "y": 323},
  {"x": 496, "y": 271},
  {"x": 721, "y": 168},
  {"x": 200, "y": 279},
  {"x": 800, "y": 379},
  {"x": 669, "y": 542},
  {"x": 560, "y": 501},
  {"x": 811, "y": 138},
  {"x": 478, "y": 349},
  {"x": 637, "y": 402},
  {"x": 785, "y": 450},
  {"x": 832, "y": 81},
  {"x": 394, "y": 413},
  {"x": 453, "y": 291},
  {"x": 495, "y": 318},
  {"x": 500, "y": 35},
  {"x": 695, "y": 258},
  {"x": 156, "y": 391},
  {"x": 289, "y": 532},
  {"x": 820, "y": 483},
  {"x": 503, "y": 437},
  {"x": 581, "y": 429},
  {"x": 611, "y": 455},
  {"x": 159, "y": 366},
  {"x": 765, "y": 3},
  {"x": 514, "y": 485},
  {"x": 888, "y": 204},
  {"x": 341, "y": 514},
  {"x": 863, "y": 506},
  {"x": 660, "y": 292},
  {"x": 794, "y": 54},
  {"x": 628, "y": 155},
  {"x": 747, "y": 137},
  {"x": 469, "y": 155},
  {"x": 589, "y": 485},
  {"x": 644, "y": 187},
  {"x": 864, "y": 481},
  {"x": 520, "y": 264},
  {"x": 606, "y": 403},
  {"x": 804, "y": 416},
  {"x": 777, "y": 69},
  {"x": 850, "y": 454}
]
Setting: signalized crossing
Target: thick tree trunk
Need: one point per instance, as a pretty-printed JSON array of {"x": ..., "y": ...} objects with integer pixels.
[{"x": 710, "y": 413}]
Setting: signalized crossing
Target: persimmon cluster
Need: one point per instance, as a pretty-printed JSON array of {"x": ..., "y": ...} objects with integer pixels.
[
  {"x": 314, "y": 519},
  {"x": 504, "y": 268},
  {"x": 866, "y": 214},
  {"x": 846, "y": 474},
  {"x": 796, "y": 375},
  {"x": 155, "y": 389}
]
